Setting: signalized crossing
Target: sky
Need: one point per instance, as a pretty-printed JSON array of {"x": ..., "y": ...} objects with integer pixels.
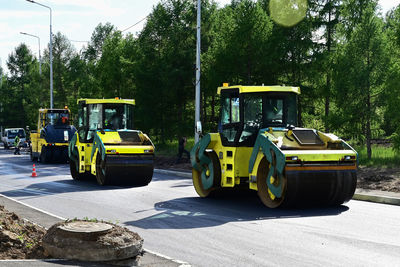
[{"x": 76, "y": 19}]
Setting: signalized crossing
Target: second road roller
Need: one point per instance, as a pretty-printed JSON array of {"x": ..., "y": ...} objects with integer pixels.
[
  {"x": 54, "y": 130},
  {"x": 260, "y": 146},
  {"x": 107, "y": 145}
]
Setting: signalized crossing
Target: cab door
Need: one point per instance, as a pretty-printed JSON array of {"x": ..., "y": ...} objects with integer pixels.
[{"x": 230, "y": 125}]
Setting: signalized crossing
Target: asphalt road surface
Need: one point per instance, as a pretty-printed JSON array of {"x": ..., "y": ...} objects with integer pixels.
[{"x": 235, "y": 230}]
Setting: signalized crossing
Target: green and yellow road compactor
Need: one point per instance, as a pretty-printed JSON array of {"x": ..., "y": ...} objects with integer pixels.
[
  {"x": 54, "y": 130},
  {"x": 259, "y": 146},
  {"x": 107, "y": 146}
]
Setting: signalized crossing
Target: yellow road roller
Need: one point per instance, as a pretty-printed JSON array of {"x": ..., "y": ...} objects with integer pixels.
[
  {"x": 107, "y": 146},
  {"x": 260, "y": 146},
  {"x": 54, "y": 130}
]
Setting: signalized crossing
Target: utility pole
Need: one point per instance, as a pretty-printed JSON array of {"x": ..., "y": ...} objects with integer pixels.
[
  {"x": 51, "y": 51},
  {"x": 197, "y": 112},
  {"x": 1, "y": 74}
]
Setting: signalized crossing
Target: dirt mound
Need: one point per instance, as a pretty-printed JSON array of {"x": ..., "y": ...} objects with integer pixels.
[
  {"x": 385, "y": 179},
  {"x": 19, "y": 239},
  {"x": 168, "y": 162}
]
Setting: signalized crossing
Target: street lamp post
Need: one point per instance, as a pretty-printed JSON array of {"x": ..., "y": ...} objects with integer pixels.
[
  {"x": 197, "y": 100},
  {"x": 51, "y": 52},
  {"x": 40, "y": 59}
]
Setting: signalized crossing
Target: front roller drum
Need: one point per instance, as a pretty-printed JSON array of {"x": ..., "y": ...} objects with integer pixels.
[
  {"x": 211, "y": 179},
  {"x": 308, "y": 188},
  {"x": 314, "y": 188},
  {"x": 126, "y": 169},
  {"x": 76, "y": 175}
]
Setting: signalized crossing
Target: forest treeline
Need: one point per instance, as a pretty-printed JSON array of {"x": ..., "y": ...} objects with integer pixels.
[{"x": 344, "y": 55}]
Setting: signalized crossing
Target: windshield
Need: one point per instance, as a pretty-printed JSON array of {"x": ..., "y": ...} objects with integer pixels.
[
  {"x": 117, "y": 116},
  {"x": 241, "y": 122},
  {"x": 14, "y": 133},
  {"x": 58, "y": 118},
  {"x": 105, "y": 116},
  {"x": 280, "y": 110},
  {"x": 110, "y": 116}
]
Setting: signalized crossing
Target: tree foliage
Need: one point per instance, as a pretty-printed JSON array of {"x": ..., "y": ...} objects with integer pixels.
[{"x": 342, "y": 53}]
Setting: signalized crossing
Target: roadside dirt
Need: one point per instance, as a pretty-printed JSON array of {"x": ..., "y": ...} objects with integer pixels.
[
  {"x": 385, "y": 179},
  {"x": 20, "y": 239}
]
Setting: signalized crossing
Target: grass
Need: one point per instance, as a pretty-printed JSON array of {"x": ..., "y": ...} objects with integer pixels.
[
  {"x": 381, "y": 156},
  {"x": 170, "y": 148}
]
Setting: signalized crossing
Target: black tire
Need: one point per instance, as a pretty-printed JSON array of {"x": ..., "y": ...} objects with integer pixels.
[
  {"x": 5, "y": 146},
  {"x": 33, "y": 158},
  {"x": 65, "y": 156},
  {"x": 57, "y": 155},
  {"x": 74, "y": 173},
  {"x": 145, "y": 180},
  {"x": 101, "y": 171},
  {"x": 43, "y": 155}
]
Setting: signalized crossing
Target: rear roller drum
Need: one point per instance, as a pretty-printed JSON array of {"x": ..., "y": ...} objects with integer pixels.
[
  {"x": 214, "y": 174},
  {"x": 101, "y": 171},
  {"x": 346, "y": 183},
  {"x": 45, "y": 155},
  {"x": 33, "y": 158},
  {"x": 74, "y": 171},
  {"x": 331, "y": 188},
  {"x": 264, "y": 193}
]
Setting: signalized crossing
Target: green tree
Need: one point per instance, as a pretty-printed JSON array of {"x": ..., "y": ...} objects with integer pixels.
[
  {"x": 16, "y": 107},
  {"x": 63, "y": 52},
  {"x": 361, "y": 74},
  {"x": 391, "y": 95}
]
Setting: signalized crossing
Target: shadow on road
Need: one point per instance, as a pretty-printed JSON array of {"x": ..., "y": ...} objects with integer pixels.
[
  {"x": 195, "y": 212},
  {"x": 58, "y": 187}
]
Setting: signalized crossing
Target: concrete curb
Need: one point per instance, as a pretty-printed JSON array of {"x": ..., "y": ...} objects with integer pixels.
[{"x": 375, "y": 196}]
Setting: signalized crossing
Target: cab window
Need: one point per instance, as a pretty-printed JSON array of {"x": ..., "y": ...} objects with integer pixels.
[
  {"x": 95, "y": 121},
  {"x": 230, "y": 115},
  {"x": 252, "y": 117}
]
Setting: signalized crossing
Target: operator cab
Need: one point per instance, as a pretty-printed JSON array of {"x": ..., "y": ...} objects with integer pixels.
[
  {"x": 55, "y": 117},
  {"x": 247, "y": 109},
  {"x": 97, "y": 115}
]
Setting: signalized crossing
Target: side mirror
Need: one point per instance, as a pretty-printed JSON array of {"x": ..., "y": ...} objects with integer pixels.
[{"x": 198, "y": 127}]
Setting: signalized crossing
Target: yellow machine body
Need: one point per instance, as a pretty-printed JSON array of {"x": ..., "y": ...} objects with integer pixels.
[
  {"x": 49, "y": 143},
  {"x": 111, "y": 152},
  {"x": 287, "y": 165}
]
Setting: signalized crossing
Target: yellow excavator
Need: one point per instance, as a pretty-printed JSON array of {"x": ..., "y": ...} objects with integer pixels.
[
  {"x": 107, "y": 146},
  {"x": 54, "y": 130},
  {"x": 260, "y": 146}
]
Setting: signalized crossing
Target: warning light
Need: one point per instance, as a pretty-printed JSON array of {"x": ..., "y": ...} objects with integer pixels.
[{"x": 225, "y": 84}]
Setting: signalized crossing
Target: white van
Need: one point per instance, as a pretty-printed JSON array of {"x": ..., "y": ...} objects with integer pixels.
[{"x": 9, "y": 135}]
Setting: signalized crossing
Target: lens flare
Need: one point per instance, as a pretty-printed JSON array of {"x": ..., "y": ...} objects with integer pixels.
[{"x": 288, "y": 12}]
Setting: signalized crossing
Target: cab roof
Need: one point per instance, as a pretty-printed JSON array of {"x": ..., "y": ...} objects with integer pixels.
[
  {"x": 261, "y": 88},
  {"x": 106, "y": 101},
  {"x": 53, "y": 109}
]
